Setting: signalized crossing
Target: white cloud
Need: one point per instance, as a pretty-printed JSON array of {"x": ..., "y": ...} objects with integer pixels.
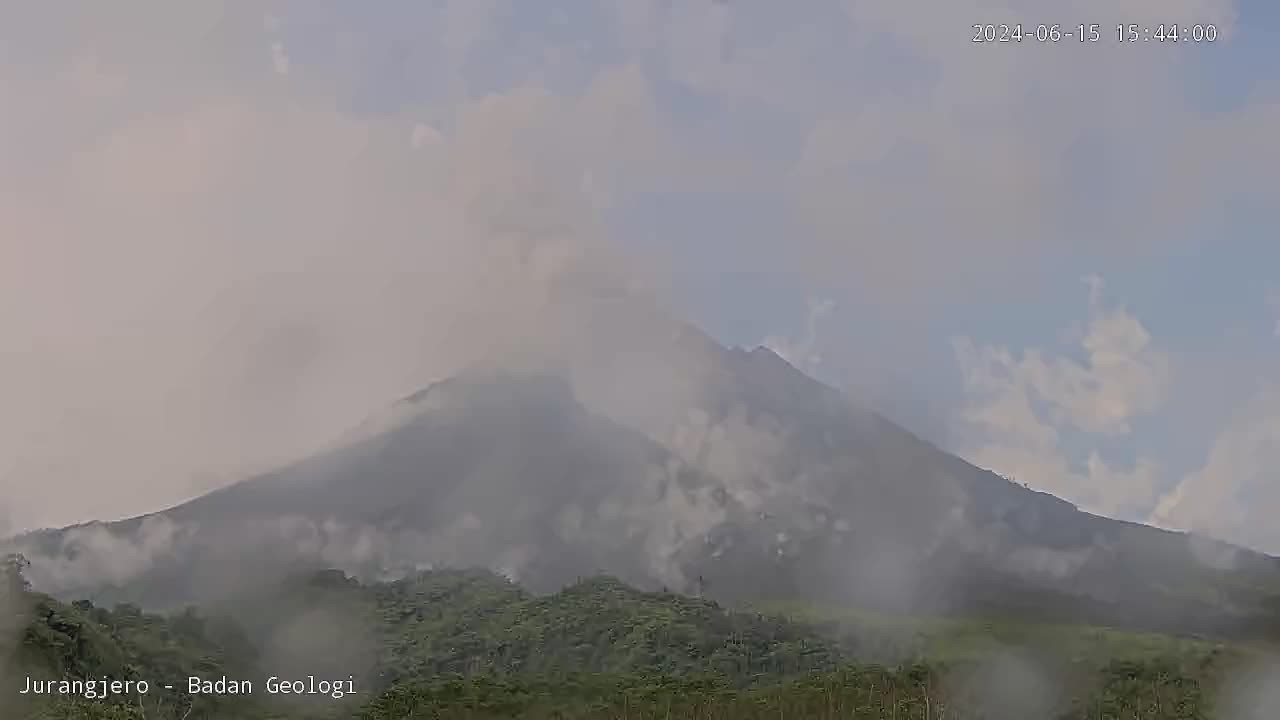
[
  {"x": 204, "y": 278},
  {"x": 1234, "y": 496},
  {"x": 804, "y": 353},
  {"x": 1123, "y": 378}
]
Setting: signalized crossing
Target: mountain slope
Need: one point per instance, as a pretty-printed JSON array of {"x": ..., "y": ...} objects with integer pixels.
[
  {"x": 921, "y": 528},
  {"x": 699, "y": 468},
  {"x": 490, "y": 470},
  {"x": 851, "y": 506}
]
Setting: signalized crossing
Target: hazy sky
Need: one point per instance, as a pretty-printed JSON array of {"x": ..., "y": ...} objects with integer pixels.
[{"x": 229, "y": 232}]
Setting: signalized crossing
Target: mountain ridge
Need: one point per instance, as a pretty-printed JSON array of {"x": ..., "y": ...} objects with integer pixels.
[{"x": 687, "y": 465}]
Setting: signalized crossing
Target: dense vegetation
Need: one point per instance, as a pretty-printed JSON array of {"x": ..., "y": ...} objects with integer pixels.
[
  {"x": 468, "y": 644},
  {"x": 43, "y": 638}
]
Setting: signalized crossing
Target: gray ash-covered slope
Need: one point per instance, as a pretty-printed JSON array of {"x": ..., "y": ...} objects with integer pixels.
[
  {"x": 853, "y": 507},
  {"x": 486, "y": 469},
  {"x": 843, "y": 505},
  {"x": 697, "y": 467}
]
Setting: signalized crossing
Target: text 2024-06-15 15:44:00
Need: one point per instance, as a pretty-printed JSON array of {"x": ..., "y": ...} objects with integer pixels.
[{"x": 1094, "y": 32}]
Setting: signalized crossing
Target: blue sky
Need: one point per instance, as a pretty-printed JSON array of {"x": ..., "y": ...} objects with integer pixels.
[{"x": 1055, "y": 260}]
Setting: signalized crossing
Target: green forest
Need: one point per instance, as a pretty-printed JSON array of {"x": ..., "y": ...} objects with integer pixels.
[{"x": 470, "y": 644}]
